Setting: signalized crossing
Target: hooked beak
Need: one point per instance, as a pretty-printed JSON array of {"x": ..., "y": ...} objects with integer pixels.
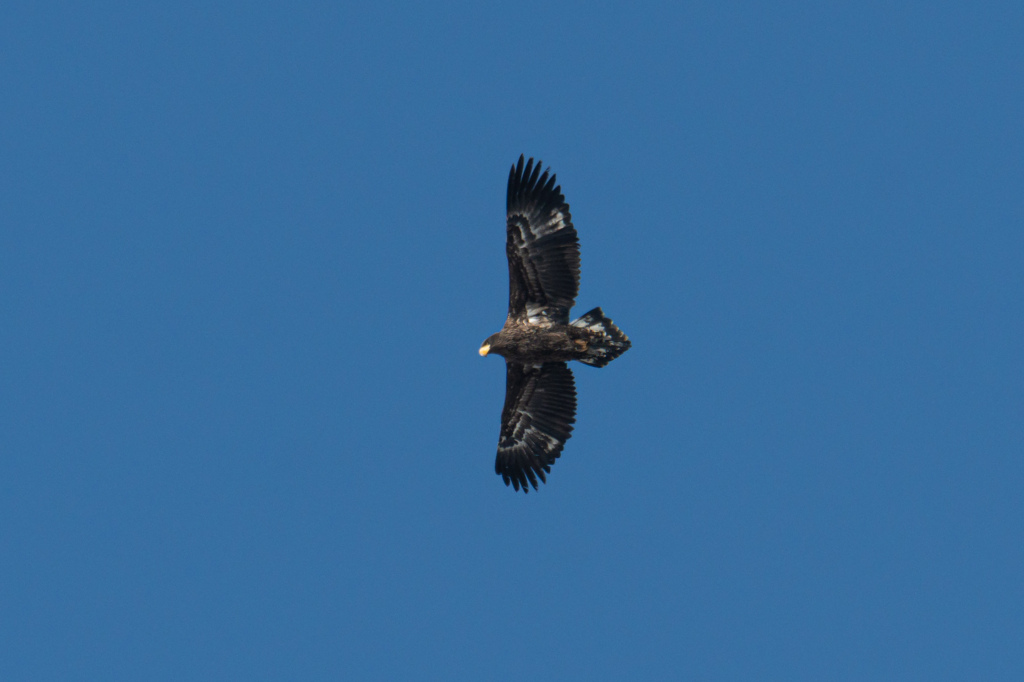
[{"x": 485, "y": 349}]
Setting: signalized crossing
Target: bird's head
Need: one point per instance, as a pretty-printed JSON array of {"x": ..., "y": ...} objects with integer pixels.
[{"x": 491, "y": 345}]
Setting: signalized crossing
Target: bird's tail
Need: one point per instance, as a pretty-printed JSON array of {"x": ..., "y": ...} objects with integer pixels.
[{"x": 608, "y": 343}]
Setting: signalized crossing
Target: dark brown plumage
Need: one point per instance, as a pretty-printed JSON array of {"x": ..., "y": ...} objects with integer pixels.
[{"x": 538, "y": 339}]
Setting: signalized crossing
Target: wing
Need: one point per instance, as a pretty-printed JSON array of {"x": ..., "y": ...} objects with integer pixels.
[
  {"x": 542, "y": 247},
  {"x": 540, "y": 409}
]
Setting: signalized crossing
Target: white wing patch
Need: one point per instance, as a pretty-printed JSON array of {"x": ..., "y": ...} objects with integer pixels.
[
  {"x": 533, "y": 436},
  {"x": 556, "y": 221},
  {"x": 538, "y": 315}
]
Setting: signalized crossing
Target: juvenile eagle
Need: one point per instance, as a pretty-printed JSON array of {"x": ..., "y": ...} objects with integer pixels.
[{"x": 538, "y": 338}]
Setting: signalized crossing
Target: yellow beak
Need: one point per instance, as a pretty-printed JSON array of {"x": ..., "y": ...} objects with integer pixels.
[{"x": 485, "y": 349}]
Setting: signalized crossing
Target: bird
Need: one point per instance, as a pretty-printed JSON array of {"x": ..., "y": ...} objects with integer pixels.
[{"x": 538, "y": 340}]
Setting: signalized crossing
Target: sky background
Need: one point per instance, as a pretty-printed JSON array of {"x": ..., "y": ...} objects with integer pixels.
[{"x": 248, "y": 252}]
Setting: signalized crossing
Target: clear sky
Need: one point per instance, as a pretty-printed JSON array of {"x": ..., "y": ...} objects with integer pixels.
[{"x": 248, "y": 252}]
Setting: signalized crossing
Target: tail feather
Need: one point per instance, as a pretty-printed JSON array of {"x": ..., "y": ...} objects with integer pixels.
[{"x": 608, "y": 343}]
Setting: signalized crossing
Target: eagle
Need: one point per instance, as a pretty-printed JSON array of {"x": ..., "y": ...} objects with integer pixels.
[{"x": 538, "y": 340}]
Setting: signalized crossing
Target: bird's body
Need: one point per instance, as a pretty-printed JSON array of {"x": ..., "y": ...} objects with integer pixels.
[
  {"x": 538, "y": 338},
  {"x": 530, "y": 344},
  {"x": 533, "y": 343}
]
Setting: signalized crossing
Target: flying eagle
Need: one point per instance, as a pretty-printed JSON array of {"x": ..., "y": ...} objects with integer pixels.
[{"x": 538, "y": 338}]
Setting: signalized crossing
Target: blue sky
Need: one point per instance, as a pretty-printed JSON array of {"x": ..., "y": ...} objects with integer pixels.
[{"x": 247, "y": 255}]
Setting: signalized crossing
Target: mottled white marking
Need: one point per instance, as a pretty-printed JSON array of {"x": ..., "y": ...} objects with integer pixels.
[
  {"x": 555, "y": 223},
  {"x": 549, "y": 442},
  {"x": 537, "y": 314}
]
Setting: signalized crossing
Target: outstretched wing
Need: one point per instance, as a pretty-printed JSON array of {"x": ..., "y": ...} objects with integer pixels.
[
  {"x": 540, "y": 409},
  {"x": 542, "y": 247}
]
